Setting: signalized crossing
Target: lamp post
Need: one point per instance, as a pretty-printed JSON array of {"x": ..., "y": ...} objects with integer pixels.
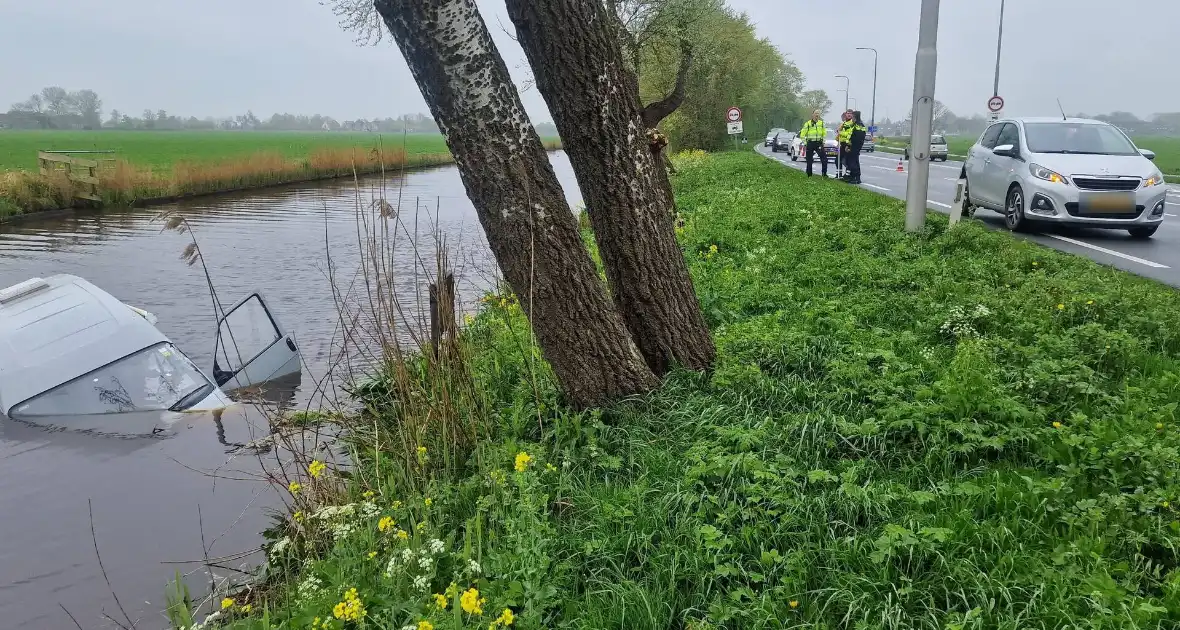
[
  {"x": 873, "y": 114},
  {"x": 999, "y": 43},
  {"x": 854, "y": 105},
  {"x": 925, "y": 67},
  {"x": 846, "y": 83}
]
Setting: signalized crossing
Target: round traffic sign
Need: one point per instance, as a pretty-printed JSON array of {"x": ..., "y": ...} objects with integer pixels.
[
  {"x": 995, "y": 104},
  {"x": 733, "y": 114}
]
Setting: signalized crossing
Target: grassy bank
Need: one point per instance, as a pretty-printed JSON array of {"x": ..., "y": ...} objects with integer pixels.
[
  {"x": 953, "y": 430},
  {"x": 161, "y": 165}
]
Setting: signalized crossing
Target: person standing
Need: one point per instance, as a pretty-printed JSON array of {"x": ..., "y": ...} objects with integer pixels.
[
  {"x": 856, "y": 142},
  {"x": 813, "y": 134},
  {"x": 843, "y": 135}
]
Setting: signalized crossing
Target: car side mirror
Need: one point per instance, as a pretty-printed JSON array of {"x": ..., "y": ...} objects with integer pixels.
[
  {"x": 1007, "y": 150},
  {"x": 1147, "y": 154}
]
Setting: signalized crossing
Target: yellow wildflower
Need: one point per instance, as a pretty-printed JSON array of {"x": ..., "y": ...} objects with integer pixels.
[
  {"x": 385, "y": 524},
  {"x": 245, "y": 608},
  {"x": 421, "y": 450},
  {"x": 1089, "y": 302},
  {"x": 420, "y": 527},
  {"x": 1035, "y": 263},
  {"x": 712, "y": 249},
  {"x": 506, "y": 618},
  {"x": 372, "y": 554},
  {"x": 440, "y": 601},
  {"x": 1166, "y": 504},
  {"x": 227, "y": 602},
  {"x": 1159, "y": 426},
  {"x": 297, "y": 517},
  {"x": 403, "y": 535},
  {"x": 395, "y": 505},
  {"x": 1060, "y": 307},
  {"x": 550, "y": 468},
  {"x": 522, "y": 461},
  {"x": 471, "y": 602},
  {"x": 1056, "y": 425},
  {"x": 793, "y": 604},
  {"x": 294, "y": 487},
  {"x": 316, "y": 468},
  {"x": 497, "y": 476},
  {"x": 350, "y": 608},
  {"x": 368, "y": 494},
  {"x": 503, "y": 302},
  {"x": 428, "y": 502},
  {"x": 467, "y": 319},
  {"x": 425, "y": 625}
]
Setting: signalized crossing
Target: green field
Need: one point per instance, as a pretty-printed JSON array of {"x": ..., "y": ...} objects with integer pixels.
[
  {"x": 951, "y": 430},
  {"x": 162, "y": 149}
]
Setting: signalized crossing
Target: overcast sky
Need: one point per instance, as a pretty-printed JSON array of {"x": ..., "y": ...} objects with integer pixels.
[{"x": 222, "y": 57}]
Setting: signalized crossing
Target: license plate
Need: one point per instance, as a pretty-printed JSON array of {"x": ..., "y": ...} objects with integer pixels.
[{"x": 1108, "y": 203}]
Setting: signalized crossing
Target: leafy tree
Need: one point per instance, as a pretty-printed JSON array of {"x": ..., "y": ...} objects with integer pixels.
[
  {"x": 57, "y": 101},
  {"x": 89, "y": 107},
  {"x": 812, "y": 100}
]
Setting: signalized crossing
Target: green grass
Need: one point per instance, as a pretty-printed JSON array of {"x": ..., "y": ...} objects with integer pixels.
[
  {"x": 950, "y": 430},
  {"x": 161, "y": 149}
]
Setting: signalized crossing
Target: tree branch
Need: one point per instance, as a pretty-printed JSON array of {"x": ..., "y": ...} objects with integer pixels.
[{"x": 659, "y": 110}]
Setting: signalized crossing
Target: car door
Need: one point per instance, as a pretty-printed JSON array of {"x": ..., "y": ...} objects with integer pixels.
[
  {"x": 978, "y": 159},
  {"x": 252, "y": 347},
  {"x": 998, "y": 167}
]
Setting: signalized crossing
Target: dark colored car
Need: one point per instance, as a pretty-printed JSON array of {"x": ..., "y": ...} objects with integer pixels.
[{"x": 782, "y": 141}]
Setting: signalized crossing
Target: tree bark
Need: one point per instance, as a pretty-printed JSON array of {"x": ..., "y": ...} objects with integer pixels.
[
  {"x": 661, "y": 109},
  {"x": 530, "y": 228},
  {"x": 576, "y": 58}
]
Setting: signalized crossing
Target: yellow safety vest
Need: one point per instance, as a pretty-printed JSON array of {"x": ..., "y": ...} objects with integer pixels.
[
  {"x": 812, "y": 131},
  {"x": 845, "y": 134}
]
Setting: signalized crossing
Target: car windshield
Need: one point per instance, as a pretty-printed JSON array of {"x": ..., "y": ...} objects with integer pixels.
[
  {"x": 155, "y": 378},
  {"x": 1083, "y": 138},
  {"x": 831, "y": 134},
  {"x": 937, "y": 140}
]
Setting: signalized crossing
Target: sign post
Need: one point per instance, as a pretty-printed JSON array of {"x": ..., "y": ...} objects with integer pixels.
[
  {"x": 733, "y": 123},
  {"x": 995, "y": 105}
]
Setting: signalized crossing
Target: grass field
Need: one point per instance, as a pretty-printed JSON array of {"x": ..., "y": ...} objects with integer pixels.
[{"x": 951, "y": 430}]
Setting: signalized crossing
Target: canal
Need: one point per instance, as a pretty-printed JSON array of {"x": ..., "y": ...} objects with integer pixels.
[{"x": 159, "y": 506}]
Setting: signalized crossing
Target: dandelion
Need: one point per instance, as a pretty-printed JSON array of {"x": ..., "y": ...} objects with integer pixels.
[
  {"x": 471, "y": 602},
  {"x": 227, "y": 603},
  {"x": 316, "y": 468},
  {"x": 522, "y": 461},
  {"x": 1061, "y": 307},
  {"x": 425, "y": 625},
  {"x": 385, "y": 524},
  {"x": 428, "y": 502},
  {"x": 294, "y": 487},
  {"x": 440, "y": 601},
  {"x": 1056, "y": 425},
  {"x": 794, "y": 603}
]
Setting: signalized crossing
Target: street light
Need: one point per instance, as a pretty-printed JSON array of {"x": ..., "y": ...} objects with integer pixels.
[
  {"x": 854, "y": 106},
  {"x": 846, "y": 82},
  {"x": 873, "y": 115},
  {"x": 925, "y": 69},
  {"x": 999, "y": 42}
]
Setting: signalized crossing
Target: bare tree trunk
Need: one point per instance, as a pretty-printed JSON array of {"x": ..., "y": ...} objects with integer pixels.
[
  {"x": 579, "y": 67},
  {"x": 530, "y": 228}
]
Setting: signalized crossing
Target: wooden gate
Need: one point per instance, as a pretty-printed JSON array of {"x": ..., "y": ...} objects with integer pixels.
[{"x": 81, "y": 171}]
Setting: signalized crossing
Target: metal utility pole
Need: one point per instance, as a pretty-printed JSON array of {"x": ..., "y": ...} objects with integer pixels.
[
  {"x": 999, "y": 43},
  {"x": 873, "y": 115},
  {"x": 925, "y": 67},
  {"x": 846, "y": 82}
]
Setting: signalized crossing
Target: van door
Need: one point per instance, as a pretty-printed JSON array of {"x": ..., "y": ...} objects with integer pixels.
[{"x": 252, "y": 346}]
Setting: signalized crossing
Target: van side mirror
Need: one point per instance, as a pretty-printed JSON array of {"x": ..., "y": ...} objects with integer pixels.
[
  {"x": 1147, "y": 154},
  {"x": 1006, "y": 150}
]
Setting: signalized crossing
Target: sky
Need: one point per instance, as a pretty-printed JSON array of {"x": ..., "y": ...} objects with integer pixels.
[{"x": 223, "y": 57}]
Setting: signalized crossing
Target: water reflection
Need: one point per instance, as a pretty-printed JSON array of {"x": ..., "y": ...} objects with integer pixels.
[{"x": 146, "y": 492}]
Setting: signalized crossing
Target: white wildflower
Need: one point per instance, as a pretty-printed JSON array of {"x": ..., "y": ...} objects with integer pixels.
[
  {"x": 278, "y": 547},
  {"x": 436, "y": 546},
  {"x": 474, "y": 567},
  {"x": 310, "y": 587},
  {"x": 369, "y": 509},
  {"x": 425, "y": 562},
  {"x": 407, "y": 554},
  {"x": 340, "y": 531},
  {"x": 420, "y": 583},
  {"x": 391, "y": 566}
]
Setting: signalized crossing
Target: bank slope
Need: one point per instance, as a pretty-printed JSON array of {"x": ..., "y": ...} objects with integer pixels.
[{"x": 952, "y": 430}]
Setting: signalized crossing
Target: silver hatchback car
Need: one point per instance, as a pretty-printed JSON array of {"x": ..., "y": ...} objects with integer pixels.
[{"x": 1064, "y": 171}]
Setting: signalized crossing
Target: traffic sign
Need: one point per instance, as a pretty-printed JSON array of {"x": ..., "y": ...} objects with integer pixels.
[
  {"x": 734, "y": 128},
  {"x": 995, "y": 104},
  {"x": 733, "y": 115},
  {"x": 873, "y": 129}
]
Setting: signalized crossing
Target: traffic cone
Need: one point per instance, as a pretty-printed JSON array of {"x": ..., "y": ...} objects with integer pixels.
[{"x": 900, "y": 168}]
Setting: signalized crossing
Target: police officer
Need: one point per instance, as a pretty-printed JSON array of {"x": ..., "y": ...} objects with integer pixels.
[
  {"x": 856, "y": 141},
  {"x": 843, "y": 136},
  {"x": 813, "y": 134}
]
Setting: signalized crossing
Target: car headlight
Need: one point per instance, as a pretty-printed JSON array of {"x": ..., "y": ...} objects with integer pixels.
[
  {"x": 1154, "y": 180},
  {"x": 1040, "y": 172}
]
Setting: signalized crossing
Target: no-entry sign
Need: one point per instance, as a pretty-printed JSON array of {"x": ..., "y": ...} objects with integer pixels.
[
  {"x": 995, "y": 104},
  {"x": 733, "y": 114}
]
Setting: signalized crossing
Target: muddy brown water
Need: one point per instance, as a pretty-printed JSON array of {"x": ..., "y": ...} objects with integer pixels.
[{"x": 154, "y": 500}]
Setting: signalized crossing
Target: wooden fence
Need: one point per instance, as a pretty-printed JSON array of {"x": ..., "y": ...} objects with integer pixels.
[{"x": 82, "y": 171}]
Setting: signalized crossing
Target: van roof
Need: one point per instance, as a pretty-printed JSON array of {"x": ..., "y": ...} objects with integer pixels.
[{"x": 57, "y": 329}]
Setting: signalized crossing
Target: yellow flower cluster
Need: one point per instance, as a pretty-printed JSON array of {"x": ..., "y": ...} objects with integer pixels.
[
  {"x": 294, "y": 487},
  {"x": 425, "y": 625},
  {"x": 351, "y": 608},
  {"x": 471, "y": 602},
  {"x": 441, "y": 601},
  {"x": 385, "y": 524},
  {"x": 402, "y": 534},
  {"x": 505, "y": 619},
  {"x": 523, "y": 460},
  {"x": 316, "y": 468}
]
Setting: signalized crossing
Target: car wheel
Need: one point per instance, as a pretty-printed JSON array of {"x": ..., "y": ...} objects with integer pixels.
[
  {"x": 1143, "y": 232},
  {"x": 1014, "y": 210},
  {"x": 794, "y": 157},
  {"x": 968, "y": 209}
]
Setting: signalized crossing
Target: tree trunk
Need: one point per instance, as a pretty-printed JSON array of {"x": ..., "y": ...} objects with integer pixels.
[
  {"x": 530, "y": 228},
  {"x": 579, "y": 68}
]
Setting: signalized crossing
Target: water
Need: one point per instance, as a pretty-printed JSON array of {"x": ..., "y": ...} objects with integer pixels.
[{"x": 154, "y": 500}]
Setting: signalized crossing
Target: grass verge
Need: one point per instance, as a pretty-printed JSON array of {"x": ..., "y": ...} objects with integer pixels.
[{"x": 951, "y": 430}]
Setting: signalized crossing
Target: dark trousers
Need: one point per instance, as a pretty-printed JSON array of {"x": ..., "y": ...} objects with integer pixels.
[
  {"x": 814, "y": 147},
  {"x": 853, "y": 161}
]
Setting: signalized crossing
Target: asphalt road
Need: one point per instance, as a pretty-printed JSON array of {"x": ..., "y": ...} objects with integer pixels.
[{"x": 1157, "y": 257}]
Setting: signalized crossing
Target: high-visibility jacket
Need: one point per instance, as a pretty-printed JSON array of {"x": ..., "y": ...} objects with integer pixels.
[
  {"x": 856, "y": 139},
  {"x": 813, "y": 131},
  {"x": 845, "y": 132}
]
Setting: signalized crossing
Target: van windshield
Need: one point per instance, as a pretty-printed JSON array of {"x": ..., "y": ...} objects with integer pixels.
[
  {"x": 1080, "y": 138},
  {"x": 154, "y": 379},
  {"x": 937, "y": 140}
]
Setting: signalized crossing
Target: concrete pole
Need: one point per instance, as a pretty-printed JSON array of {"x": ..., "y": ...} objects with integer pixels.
[{"x": 925, "y": 68}]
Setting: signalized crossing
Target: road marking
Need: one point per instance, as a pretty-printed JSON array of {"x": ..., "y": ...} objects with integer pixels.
[
  {"x": 938, "y": 203},
  {"x": 883, "y": 168},
  {"x": 876, "y": 186},
  {"x": 1108, "y": 251}
]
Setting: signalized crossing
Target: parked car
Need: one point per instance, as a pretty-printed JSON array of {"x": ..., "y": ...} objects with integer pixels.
[
  {"x": 1064, "y": 171},
  {"x": 770, "y": 136},
  {"x": 73, "y": 356},
  {"x": 938, "y": 148},
  {"x": 782, "y": 141},
  {"x": 870, "y": 145},
  {"x": 799, "y": 147}
]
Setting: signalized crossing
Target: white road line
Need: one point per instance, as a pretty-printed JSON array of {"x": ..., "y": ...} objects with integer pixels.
[
  {"x": 884, "y": 168},
  {"x": 876, "y": 186},
  {"x": 938, "y": 203},
  {"x": 1108, "y": 251}
]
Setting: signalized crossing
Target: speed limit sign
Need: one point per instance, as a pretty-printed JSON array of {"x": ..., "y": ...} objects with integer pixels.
[
  {"x": 733, "y": 114},
  {"x": 995, "y": 104}
]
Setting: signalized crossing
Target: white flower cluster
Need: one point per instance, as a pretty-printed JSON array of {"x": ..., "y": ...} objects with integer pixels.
[
  {"x": 278, "y": 548},
  {"x": 207, "y": 623},
  {"x": 369, "y": 509},
  {"x": 340, "y": 531},
  {"x": 310, "y": 587},
  {"x": 962, "y": 324},
  {"x": 335, "y": 512}
]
